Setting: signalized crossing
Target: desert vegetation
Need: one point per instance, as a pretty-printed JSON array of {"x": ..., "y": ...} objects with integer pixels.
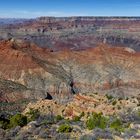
[{"x": 34, "y": 123}]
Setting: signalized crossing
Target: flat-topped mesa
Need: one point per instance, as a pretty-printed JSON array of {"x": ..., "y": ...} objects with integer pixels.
[
  {"x": 66, "y": 22},
  {"x": 88, "y": 18}
]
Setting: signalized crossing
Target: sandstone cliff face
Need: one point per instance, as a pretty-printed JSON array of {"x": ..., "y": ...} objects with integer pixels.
[
  {"x": 76, "y": 32},
  {"x": 102, "y": 69}
]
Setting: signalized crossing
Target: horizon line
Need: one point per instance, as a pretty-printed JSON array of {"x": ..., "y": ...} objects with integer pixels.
[{"x": 69, "y": 17}]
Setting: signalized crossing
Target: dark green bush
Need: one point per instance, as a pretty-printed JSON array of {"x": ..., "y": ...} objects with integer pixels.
[
  {"x": 118, "y": 107},
  {"x": 76, "y": 118},
  {"x": 117, "y": 125},
  {"x": 114, "y": 102},
  {"x": 96, "y": 120},
  {"x": 32, "y": 114},
  {"x": 4, "y": 124},
  {"x": 109, "y": 97},
  {"x": 18, "y": 120},
  {"x": 82, "y": 114},
  {"x": 59, "y": 117},
  {"x": 64, "y": 128}
]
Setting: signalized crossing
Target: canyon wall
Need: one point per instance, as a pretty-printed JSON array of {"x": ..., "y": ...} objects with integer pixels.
[
  {"x": 104, "y": 69},
  {"x": 76, "y": 32}
]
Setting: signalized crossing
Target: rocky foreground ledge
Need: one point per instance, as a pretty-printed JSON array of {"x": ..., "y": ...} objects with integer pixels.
[{"x": 88, "y": 116}]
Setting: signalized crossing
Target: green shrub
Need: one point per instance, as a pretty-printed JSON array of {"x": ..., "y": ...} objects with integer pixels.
[
  {"x": 64, "y": 128},
  {"x": 32, "y": 114},
  {"x": 114, "y": 102},
  {"x": 18, "y": 120},
  {"x": 82, "y": 114},
  {"x": 59, "y": 117},
  {"x": 4, "y": 124},
  {"x": 117, "y": 125},
  {"x": 118, "y": 107},
  {"x": 76, "y": 118},
  {"x": 109, "y": 97},
  {"x": 96, "y": 120}
]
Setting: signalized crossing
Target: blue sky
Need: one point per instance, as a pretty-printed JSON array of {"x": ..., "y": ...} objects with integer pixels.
[{"x": 36, "y": 8}]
